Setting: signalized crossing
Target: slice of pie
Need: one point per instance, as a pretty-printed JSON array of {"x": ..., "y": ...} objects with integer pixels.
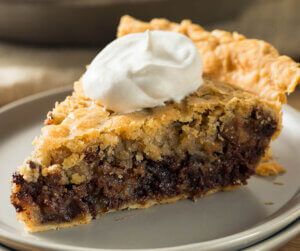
[{"x": 89, "y": 161}]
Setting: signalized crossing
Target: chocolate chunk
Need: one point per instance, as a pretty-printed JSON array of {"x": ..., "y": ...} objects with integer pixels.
[{"x": 31, "y": 164}]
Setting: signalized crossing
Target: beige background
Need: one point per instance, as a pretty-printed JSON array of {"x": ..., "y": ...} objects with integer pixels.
[{"x": 28, "y": 70}]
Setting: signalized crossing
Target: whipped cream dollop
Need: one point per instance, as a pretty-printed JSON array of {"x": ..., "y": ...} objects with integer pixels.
[{"x": 144, "y": 70}]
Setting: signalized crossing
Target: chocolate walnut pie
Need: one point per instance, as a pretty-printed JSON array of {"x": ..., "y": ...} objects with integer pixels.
[{"x": 89, "y": 161}]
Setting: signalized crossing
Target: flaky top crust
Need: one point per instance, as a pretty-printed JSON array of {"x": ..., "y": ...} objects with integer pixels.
[
  {"x": 79, "y": 121},
  {"x": 251, "y": 64}
]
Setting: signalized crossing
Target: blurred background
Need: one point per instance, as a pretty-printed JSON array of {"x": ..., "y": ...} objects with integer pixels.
[{"x": 46, "y": 44}]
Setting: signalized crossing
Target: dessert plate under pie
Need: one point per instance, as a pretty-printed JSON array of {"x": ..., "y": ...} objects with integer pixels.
[{"x": 224, "y": 220}]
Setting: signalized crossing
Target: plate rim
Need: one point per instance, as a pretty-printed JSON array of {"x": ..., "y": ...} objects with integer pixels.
[
  {"x": 278, "y": 239},
  {"x": 252, "y": 235}
]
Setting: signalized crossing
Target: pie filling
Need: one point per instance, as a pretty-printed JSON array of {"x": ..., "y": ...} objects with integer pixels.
[{"x": 112, "y": 186}]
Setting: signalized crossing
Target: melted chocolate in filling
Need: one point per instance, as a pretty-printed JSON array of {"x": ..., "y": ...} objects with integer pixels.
[{"x": 113, "y": 186}]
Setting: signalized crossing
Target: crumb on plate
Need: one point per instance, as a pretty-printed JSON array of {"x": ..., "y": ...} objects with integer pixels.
[
  {"x": 277, "y": 182},
  {"x": 269, "y": 168},
  {"x": 269, "y": 203}
]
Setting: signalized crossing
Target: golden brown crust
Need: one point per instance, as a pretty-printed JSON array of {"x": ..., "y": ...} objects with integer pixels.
[
  {"x": 37, "y": 227},
  {"x": 30, "y": 227},
  {"x": 230, "y": 57},
  {"x": 269, "y": 168},
  {"x": 79, "y": 122}
]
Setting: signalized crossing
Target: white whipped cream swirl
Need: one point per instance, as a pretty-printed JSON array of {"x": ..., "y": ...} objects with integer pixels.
[{"x": 144, "y": 70}]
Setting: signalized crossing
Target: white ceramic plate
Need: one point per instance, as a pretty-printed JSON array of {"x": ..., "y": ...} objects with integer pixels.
[
  {"x": 279, "y": 239},
  {"x": 226, "y": 220}
]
